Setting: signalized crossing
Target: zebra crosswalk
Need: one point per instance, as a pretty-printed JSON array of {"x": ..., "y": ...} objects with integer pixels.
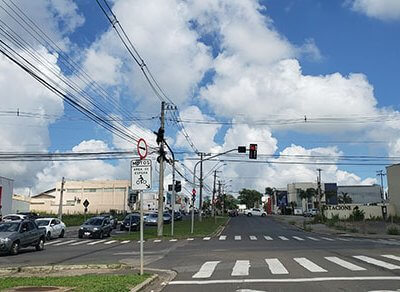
[
  {"x": 271, "y": 238},
  {"x": 275, "y": 266}
]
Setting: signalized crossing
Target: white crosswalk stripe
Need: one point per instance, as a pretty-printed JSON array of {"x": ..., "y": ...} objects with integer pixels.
[
  {"x": 110, "y": 242},
  {"x": 268, "y": 237},
  {"x": 377, "y": 262},
  {"x": 252, "y": 237},
  {"x": 81, "y": 242},
  {"x": 298, "y": 238},
  {"x": 206, "y": 270},
  {"x": 309, "y": 265},
  {"x": 327, "y": 238},
  {"x": 313, "y": 238},
  {"x": 206, "y": 238},
  {"x": 345, "y": 264},
  {"x": 276, "y": 267},
  {"x": 222, "y": 237},
  {"x": 190, "y": 239},
  {"x": 96, "y": 242},
  {"x": 157, "y": 240},
  {"x": 393, "y": 257},
  {"x": 241, "y": 268},
  {"x": 125, "y": 241},
  {"x": 52, "y": 242},
  {"x": 238, "y": 237},
  {"x": 343, "y": 239},
  {"x": 283, "y": 238},
  {"x": 173, "y": 240},
  {"x": 64, "y": 242}
]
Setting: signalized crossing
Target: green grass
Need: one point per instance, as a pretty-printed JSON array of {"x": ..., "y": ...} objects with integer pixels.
[
  {"x": 393, "y": 230},
  {"x": 181, "y": 229},
  {"x": 86, "y": 283}
]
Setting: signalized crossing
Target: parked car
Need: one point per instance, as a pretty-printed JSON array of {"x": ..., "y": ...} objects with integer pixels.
[
  {"x": 233, "y": 213},
  {"x": 52, "y": 226},
  {"x": 298, "y": 211},
  {"x": 113, "y": 219},
  {"x": 152, "y": 218},
  {"x": 311, "y": 212},
  {"x": 14, "y": 217},
  {"x": 19, "y": 234},
  {"x": 177, "y": 216},
  {"x": 255, "y": 212},
  {"x": 131, "y": 222},
  {"x": 167, "y": 217},
  {"x": 95, "y": 227},
  {"x": 29, "y": 215}
]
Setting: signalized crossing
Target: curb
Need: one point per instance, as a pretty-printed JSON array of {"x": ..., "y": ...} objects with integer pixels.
[
  {"x": 220, "y": 229},
  {"x": 144, "y": 284}
]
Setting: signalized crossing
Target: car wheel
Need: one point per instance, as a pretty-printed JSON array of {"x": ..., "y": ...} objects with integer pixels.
[
  {"x": 101, "y": 235},
  {"x": 121, "y": 228},
  {"x": 80, "y": 235},
  {"x": 62, "y": 233},
  {"x": 249, "y": 214},
  {"x": 263, "y": 215},
  {"x": 48, "y": 235},
  {"x": 14, "y": 248},
  {"x": 40, "y": 245}
]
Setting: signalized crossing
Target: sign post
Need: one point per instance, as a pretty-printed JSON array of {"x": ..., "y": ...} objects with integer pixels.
[
  {"x": 141, "y": 180},
  {"x": 85, "y": 204}
]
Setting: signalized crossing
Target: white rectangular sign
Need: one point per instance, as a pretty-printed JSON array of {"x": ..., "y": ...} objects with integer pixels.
[{"x": 141, "y": 174}]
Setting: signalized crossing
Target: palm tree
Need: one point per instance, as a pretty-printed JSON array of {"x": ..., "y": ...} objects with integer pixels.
[{"x": 344, "y": 198}]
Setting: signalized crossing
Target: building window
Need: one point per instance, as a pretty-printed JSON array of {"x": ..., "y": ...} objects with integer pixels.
[
  {"x": 74, "y": 190},
  {"x": 90, "y": 190},
  {"x": 108, "y": 189},
  {"x": 120, "y": 189}
]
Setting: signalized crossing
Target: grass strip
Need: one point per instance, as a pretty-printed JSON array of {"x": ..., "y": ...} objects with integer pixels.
[
  {"x": 86, "y": 283},
  {"x": 181, "y": 229}
]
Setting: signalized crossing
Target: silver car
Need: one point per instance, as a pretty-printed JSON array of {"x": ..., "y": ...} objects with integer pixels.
[{"x": 54, "y": 227}]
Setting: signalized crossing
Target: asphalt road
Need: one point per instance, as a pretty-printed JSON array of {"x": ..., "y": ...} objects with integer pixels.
[{"x": 252, "y": 253}]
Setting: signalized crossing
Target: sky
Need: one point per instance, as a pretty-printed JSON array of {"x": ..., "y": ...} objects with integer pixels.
[{"x": 308, "y": 81}]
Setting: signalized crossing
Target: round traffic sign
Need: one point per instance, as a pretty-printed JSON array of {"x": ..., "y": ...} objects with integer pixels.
[{"x": 142, "y": 148}]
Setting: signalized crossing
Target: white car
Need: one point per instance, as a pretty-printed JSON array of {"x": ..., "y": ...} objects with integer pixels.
[
  {"x": 14, "y": 217},
  {"x": 255, "y": 212},
  {"x": 54, "y": 227}
]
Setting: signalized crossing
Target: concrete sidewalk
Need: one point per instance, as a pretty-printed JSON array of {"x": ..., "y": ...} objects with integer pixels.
[{"x": 366, "y": 229}]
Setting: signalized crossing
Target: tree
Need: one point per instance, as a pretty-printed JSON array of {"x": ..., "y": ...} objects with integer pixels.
[
  {"x": 344, "y": 198},
  {"x": 269, "y": 191},
  {"x": 230, "y": 202},
  {"x": 249, "y": 197},
  {"x": 307, "y": 195}
]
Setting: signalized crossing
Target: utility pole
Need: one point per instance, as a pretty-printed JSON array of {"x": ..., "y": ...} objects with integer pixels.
[
  {"x": 160, "y": 217},
  {"x": 61, "y": 199},
  {"x": 219, "y": 195},
  {"x": 201, "y": 185},
  {"x": 381, "y": 174},
  {"x": 319, "y": 189},
  {"x": 213, "y": 196}
]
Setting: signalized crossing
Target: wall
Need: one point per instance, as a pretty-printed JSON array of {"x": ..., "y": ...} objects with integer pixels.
[
  {"x": 7, "y": 189},
  {"x": 362, "y": 194},
  {"x": 20, "y": 203},
  {"x": 393, "y": 179},
  {"x": 345, "y": 210}
]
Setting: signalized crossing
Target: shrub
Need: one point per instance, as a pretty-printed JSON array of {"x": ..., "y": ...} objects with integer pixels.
[
  {"x": 292, "y": 222},
  {"x": 357, "y": 214},
  {"x": 393, "y": 230}
]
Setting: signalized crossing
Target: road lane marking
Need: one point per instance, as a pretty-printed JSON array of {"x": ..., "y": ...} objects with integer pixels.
[
  {"x": 81, "y": 242},
  {"x": 109, "y": 242},
  {"x": 238, "y": 237},
  {"x": 393, "y": 257},
  {"x": 283, "y": 238},
  {"x": 298, "y": 238},
  {"x": 309, "y": 265},
  {"x": 206, "y": 270},
  {"x": 343, "y": 239},
  {"x": 96, "y": 242},
  {"x": 276, "y": 267},
  {"x": 241, "y": 268},
  {"x": 125, "y": 241},
  {"x": 327, "y": 238},
  {"x": 173, "y": 240},
  {"x": 312, "y": 238},
  {"x": 268, "y": 237},
  {"x": 222, "y": 237},
  {"x": 377, "y": 262},
  {"x": 283, "y": 280},
  {"x": 190, "y": 239},
  {"x": 52, "y": 242},
  {"x": 252, "y": 237},
  {"x": 157, "y": 240},
  {"x": 206, "y": 238},
  {"x": 65, "y": 242},
  {"x": 345, "y": 264}
]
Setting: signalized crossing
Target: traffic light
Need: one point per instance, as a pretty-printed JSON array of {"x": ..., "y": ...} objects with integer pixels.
[
  {"x": 253, "y": 151},
  {"x": 242, "y": 149},
  {"x": 178, "y": 186},
  {"x": 169, "y": 188}
]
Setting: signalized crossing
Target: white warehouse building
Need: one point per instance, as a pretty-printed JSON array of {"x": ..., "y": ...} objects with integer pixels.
[{"x": 6, "y": 192}]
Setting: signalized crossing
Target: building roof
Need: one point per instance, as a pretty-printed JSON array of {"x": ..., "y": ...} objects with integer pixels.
[{"x": 45, "y": 193}]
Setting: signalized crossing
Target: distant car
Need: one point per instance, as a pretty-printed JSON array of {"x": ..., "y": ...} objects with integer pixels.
[
  {"x": 152, "y": 218},
  {"x": 29, "y": 215},
  {"x": 52, "y": 226},
  {"x": 96, "y": 227},
  {"x": 14, "y": 217},
  {"x": 233, "y": 213},
  {"x": 131, "y": 222},
  {"x": 18, "y": 234},
  {"x": 311, "y": 212},
  {"x": 177, "y": 216},
  {"x": 298, "y": 211},
  {"x": 255, "y": 212},
  {"x": 113, "y": 219},
  {"x": 167, "y": 218}
]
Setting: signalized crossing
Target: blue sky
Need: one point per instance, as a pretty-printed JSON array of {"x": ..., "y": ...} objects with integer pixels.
[{"x": 231, "y": 61}]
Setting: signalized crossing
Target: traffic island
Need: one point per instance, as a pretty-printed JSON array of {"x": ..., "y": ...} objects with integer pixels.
[{"x": 87, "y": 278}]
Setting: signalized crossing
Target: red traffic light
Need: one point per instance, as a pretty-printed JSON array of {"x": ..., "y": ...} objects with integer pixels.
[{"x": 253, "y": 151}]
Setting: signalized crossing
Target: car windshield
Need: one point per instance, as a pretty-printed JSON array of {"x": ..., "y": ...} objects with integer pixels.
[
  {"x": 9, "y": 226},
  {"x": 42, "y": 222},
  {"x": 153, "y": 215},
  {"x": 94, "y": 221}
]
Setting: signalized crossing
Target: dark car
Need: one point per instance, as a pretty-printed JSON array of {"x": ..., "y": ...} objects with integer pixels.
[
  {"x": 113, "y": 219},
  {"x": 177, "y": 216},
  {"x": 233, "y": 213},
  {"x": 18, "y": 234},
  {"x": 131, "y": 222},
  {"x": 96, "y": 227}
]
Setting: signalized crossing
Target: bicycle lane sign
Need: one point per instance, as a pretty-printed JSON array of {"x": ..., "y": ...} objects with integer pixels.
[{"x": 141, "y": 174}]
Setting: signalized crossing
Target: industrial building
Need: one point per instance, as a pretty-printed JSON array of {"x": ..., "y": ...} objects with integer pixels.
[{"x": 6, "y": 192}]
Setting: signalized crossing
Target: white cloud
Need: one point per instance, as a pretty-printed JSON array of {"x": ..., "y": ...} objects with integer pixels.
[{"x": 380, "y": 9}]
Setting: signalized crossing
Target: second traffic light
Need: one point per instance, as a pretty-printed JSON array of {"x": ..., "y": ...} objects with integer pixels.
[
  {"x": 178, "y": 186},
  {"x": 253, "y": 151}
]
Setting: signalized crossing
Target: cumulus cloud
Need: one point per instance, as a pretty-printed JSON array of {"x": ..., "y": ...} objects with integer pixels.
[{"x": 380, "y": 9}]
